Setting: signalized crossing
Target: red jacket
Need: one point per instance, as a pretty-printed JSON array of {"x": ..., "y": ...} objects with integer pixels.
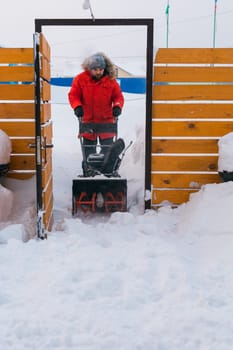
[{"x": 97, "y": 99}]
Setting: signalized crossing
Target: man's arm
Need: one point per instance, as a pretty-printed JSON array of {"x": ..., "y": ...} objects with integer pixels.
[{"x": 74, "y": 94}]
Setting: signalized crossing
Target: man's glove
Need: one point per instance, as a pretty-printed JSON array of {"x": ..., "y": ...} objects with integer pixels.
[
  {"x": 116, "y": 111},
  {"x": 78, "y": 111}
]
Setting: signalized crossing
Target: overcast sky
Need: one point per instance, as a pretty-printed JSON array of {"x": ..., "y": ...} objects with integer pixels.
[
  {"x": 190, "y": 25},
  {"x": 191, "y": 21}
]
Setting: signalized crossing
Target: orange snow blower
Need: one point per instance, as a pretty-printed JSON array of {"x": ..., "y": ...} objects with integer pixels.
[{"x": 100, "y": 188}]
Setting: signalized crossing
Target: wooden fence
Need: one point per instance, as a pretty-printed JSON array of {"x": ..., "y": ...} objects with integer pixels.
[
  {"x": 192, "y": 109},
  {"x": 17, "y": 116}
]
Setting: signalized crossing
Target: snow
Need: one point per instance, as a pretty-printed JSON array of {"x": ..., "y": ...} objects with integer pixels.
[
  {"x": 6, "y": 203},
  {"x": 225, "y": 145},
  {"x": 5, "y": 149},
  {"x": 155, "y": 280}
]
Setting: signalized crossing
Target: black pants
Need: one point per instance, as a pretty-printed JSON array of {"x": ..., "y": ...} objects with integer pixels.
[{"x": 90, "y": 145}]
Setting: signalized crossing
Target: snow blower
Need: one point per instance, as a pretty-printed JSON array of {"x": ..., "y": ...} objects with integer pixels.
[{"x": 100, "y": 188}]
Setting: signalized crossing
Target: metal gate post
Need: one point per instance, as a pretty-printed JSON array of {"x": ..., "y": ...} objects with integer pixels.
[{"x": 40, "y": 226}]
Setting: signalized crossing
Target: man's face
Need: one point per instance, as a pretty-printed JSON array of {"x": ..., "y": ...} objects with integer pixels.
[{"x": 97, "y": 73}]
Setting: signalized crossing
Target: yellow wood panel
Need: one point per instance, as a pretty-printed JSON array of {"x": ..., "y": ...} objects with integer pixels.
[
  {"x": 192, "y": 92},
  {"x": 47, "y": 192},
  {"x": 44, "y": 47},
  {"x": 22, "y": 129},
  {"x": 17, "y": 73},
  {"x": 193, "y": 74},
  {"x": 21, "y": 176},
  {"x": 18, "y": 162},
  {"x": 16, "y": 92},
  {"x": 16, "y": 55},
  {"x": 46, "y": 91},
  {"x": 22, "y": 145},
  {"x": 46, "y": 172},
  {"x": 184, "y": 146},
  {"x": 193, "y": 181},
  {"x": 48, "y": 215},
  {"x": 45, "y": 72},
  {"x": 17, "y": 110},
  {"x": 173, "y": 196},
  {"x": 191, "y": 128},
  {"x": 184, "y": 163},
  {"x": 46, "y": 156},
  {"x": 192, "y": 110},
  {"x": 45, "y": 112},
  {"x": 47, "y": 131},
  {"x": 195, "y": 55}
]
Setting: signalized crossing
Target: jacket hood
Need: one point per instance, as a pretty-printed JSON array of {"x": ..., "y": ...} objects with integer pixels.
[{"x": 110, "y": 68}]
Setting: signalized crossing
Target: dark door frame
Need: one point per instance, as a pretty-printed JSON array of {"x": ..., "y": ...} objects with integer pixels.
[{"x": 148, "y": 23}]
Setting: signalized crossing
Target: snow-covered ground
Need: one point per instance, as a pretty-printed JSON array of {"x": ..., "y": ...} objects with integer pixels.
[{"x": 159, "y": 280}]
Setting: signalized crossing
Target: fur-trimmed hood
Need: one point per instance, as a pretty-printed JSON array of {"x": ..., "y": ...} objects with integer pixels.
[{"x": 110, "y": 68}]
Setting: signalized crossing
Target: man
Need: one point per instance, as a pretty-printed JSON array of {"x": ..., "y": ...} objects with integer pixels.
[{"x": 96, "y": 97}]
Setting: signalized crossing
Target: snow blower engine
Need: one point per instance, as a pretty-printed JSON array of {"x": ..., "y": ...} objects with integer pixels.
[{"x": 100, "y": 188}]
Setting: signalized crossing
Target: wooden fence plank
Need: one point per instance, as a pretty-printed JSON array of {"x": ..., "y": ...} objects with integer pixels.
[
  {"x": 184, "y": 146},
  {"x": 192, "y": 92},
  {"x": 22, "y": 129},
  {"x": 173, "y": 196},
  {"x": 47, "y": 191},
  {"x": 195, "y": 55},
  {"x": 44, "y": 47},
  {"x": 184, "y": 163},
  {"x": 45, "y": 112},
  {"x": 191, "y": 128},
  {"x": 17, "y": 110},
  {"x": 46, "y": 173},
  {"x": 46, "y": 156},
  {"x": 16, "y": 55},
  {"x": 21, "y": 176},
  {"x": 22, "y": 146},
  {"x": 16, "y": 92},
  {"x": 48, "y": 215},
  {"x": 18, "y": 162},
  {"x": 45, "y": 91},
  {"x": 45, "y": 69},
  {"x": 192, "y": 110},
  {"x": 193, "y": 74},
  {"x": 193, "y": 181},
  {"x": 47, "y": 131},
  {"x": 17, "y": 73}
]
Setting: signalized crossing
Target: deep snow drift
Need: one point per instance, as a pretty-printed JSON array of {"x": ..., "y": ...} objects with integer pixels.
[{"x": 159, "y": 280}]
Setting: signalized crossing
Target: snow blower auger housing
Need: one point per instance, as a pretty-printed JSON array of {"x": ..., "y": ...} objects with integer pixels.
[{"x": 100, "y": 188}]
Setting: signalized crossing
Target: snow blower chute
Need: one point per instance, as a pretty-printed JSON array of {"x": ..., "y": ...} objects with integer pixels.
[{"x": 100, "y": 188}]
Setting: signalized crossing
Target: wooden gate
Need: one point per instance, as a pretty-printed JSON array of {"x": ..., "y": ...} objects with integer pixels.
[
  {"x": 20, "y": 101},
  {"x": 192, "y": 109},
  {"x": 43, "y": 135}
]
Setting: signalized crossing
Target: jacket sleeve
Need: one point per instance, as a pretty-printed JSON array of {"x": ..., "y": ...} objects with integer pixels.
[
  {"x": 117, "y": 96},
  {"x": 74, "y": 94}
]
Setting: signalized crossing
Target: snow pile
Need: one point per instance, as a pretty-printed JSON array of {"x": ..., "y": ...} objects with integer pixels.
[
  {"x": 6, "y": 196},
  {"x": 5, "y": 148},
  {"x": 225, "y": 161},
  {"x": 208, "y": 211},
  {"x": 6, "y": 203},
  {"x": 126, "y": 283},
  {"x": 18, "y": 197},
  {"x": 154, "y": 280}
]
